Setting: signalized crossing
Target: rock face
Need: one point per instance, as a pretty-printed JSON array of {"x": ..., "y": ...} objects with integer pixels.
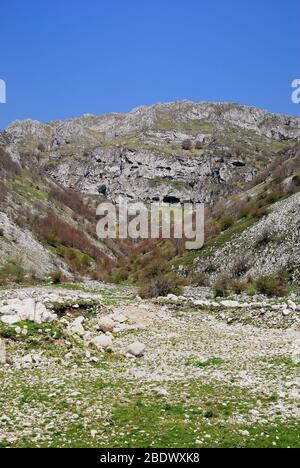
[{"x": 140, "y": 155}]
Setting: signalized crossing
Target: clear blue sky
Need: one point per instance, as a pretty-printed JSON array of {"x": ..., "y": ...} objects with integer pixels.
[{"x": 63, "y": 58}]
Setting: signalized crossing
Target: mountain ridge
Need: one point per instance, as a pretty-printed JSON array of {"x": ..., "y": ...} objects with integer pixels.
[
  {"x": 153, "y": 106},
  {"x": 171, "y": 152},
  {"x": 141, "y": 155}
]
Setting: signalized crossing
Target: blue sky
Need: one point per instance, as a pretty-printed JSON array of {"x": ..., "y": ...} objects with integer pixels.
[{"x": 63, "y": 58}]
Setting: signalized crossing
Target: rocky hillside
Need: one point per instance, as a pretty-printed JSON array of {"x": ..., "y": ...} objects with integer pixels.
[
  {"x": 44, "y": 228},
  {"x": 174, "y": 152},
  {"x": 188, "y": 348},
  {"x": 53, "y": 175},
  {"x": 251, "y": 238}
]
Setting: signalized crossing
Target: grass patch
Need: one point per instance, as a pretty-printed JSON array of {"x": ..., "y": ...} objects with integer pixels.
[{"x": 203, "y": 364}]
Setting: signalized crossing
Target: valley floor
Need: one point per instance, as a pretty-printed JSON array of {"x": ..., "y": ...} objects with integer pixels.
[{"x": 204, "y": 380}]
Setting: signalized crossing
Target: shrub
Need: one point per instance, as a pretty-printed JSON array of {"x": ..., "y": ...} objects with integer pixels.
[
  {"x": 222, "y": 286},
  {"x": 71, "y": 199},
  {"x": 187, "y": 145},
  {"x": 238, "y": 287},
  {"x": 199, "y": 279},
  {"x": 163, "y": 285},
  {"x": 273, "y": 197},
  {"x": 155, "y": 268},
  {"x": 119, "y": 275},
  {"x": 226, "y": 222},
  {"x": 265, "y": 238},
  {"x": 56, "y": 277},
  {"x": 295, "y": 183},
  {"x": 12, "y": 271},
  {"x": 259, "y": 212},
  {"x": 198, "y": 145},
  {"x": 240, "y": 266},
  {"x": 7, "y": 165},
  {"x": 271, "y": 286},
  {"x": 70, "y": 242},
  {"x": 41, "y": 147}
]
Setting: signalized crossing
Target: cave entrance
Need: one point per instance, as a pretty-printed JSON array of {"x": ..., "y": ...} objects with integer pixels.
[{"x": 171, "y": 200}]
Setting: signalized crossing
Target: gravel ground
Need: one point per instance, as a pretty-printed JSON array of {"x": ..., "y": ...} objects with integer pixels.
[{"x": 202, "y": 381}]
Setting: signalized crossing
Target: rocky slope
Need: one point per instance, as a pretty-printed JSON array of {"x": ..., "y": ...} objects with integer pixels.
[
  {"x": 265, "y": 248},
  {"x": 140, "y": 155},
  {"x": 92, "y": 364},
  {"x": 173, "y": 152},
  {"x": 44, "y": 229}
]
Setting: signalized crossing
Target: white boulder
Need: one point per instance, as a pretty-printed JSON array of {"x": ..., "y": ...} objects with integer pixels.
[
  {"x": 230, "y": 304},
  {"x": 76, "y": 327},
  {"x": 106, "y": 324},
  {"x": 102, "y": 342},
  {"x": 172, "y": 297},
  {"x": 296, "y": 352},
  {"x": 292, "y": 305},
  {"x": 162, "y": 392},
  {"x": 136, "y": 349},
  {"x": 201, "y": 303},
  {"x": 10, "y": 319},
  {"x": 17, "y": 310}
]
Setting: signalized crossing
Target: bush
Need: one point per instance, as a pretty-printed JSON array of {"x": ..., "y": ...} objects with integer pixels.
[
  {"x": 10, "y": 167},
  {"x": 295, "y": 183},
  {"x": 199, "y": 279},
  {"x": 41, "y": 147},
  {"x": 265, "y": 238},
  {"x": 12, "y": 272},
  {"x": 240, "y": 266},
  {"x": 271, "y": 286},
  {"x": 56, "y": 277},
  {"x": 56, "y": 231},
  {"x": 187, "y": 145},
  {"x": 71, "y": 199},
  {"x": 222, "y": 286},
  {"x": 238, "y": 287},
  {"x": 119, "y": 275},
  {"x": 259, "y": 212},
  {"x": 155, "y": 268},
  {"x": 226, "y": 222},
  {"x": 163, "y": 285}
]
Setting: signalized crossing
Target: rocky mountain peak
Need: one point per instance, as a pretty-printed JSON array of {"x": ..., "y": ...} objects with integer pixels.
[{"x": 181, "y": 150}]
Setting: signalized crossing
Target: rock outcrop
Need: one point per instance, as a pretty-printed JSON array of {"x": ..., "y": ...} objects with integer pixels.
[{"x": 140, "y": 155}]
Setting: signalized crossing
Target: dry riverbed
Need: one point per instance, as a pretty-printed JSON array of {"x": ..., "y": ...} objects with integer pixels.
[{"x": 103, "y": 368}]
